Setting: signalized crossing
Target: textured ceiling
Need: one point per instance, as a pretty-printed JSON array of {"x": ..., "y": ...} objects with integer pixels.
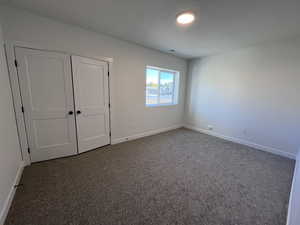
[{"x": 220, "y": 25}]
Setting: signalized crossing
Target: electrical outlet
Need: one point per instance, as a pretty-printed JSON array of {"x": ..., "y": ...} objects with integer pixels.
[{"x": 210, "y": 127}]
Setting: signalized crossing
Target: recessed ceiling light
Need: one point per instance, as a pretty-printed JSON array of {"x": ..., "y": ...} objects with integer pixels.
[{"x": 185, "y": 18}]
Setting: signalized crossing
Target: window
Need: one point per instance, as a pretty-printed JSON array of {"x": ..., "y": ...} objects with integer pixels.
[{"x": 161, "y": 86}]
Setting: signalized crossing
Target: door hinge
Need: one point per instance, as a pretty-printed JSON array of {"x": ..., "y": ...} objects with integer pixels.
[
  {"x": 16, "y": 63},
  {"x": 18, "y": 185},
  {"x": 110, "y": 133},
  {"x": 108, "y": 105},
  {"x": 28, "y": 150},
  {"x": 108, "y": 73},
  {"x": 22, "y": 109}
]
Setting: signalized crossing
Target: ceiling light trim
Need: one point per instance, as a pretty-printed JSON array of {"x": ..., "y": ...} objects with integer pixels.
[{"x": 185, "y": 18}]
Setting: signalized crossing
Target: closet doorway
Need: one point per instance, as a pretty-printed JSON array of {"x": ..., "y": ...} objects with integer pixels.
[{"x": 65, "y": 102}]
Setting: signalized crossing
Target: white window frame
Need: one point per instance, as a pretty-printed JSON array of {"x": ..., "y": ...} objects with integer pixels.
[{"x": 176, "y": 80}]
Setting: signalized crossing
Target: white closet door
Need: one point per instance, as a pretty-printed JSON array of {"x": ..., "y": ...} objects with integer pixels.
[
  {"x": 90, "y": 79},
  {"x": 47, "y": 95}
]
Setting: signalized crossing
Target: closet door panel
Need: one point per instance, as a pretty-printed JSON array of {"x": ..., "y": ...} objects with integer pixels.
[
  {"x": 47, "y": 95},
  {"x": 90, "y": 79}
]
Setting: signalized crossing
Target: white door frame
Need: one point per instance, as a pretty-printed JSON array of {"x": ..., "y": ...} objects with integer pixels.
[{"x": 17, "y": 100}]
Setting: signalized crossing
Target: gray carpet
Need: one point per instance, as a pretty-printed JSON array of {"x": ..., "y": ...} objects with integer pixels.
[{"x": 179, "y": 177}]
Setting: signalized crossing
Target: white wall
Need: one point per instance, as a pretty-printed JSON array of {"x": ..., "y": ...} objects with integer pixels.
[
  {"x": 10, "y": 158},
  {"x": 252, "y": 94},
  {"x": 129, "y": 114}
]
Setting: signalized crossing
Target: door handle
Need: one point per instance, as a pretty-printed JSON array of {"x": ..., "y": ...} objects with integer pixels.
[
  {"x": 78, "y": 112},
  {"x": 70, "y": 113}
]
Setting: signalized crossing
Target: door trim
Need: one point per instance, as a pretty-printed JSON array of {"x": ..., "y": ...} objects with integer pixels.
[{"x": 9, "y": 47}]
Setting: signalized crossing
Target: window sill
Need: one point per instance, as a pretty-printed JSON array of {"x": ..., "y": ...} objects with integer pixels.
[{"x": 160, "y": 105}]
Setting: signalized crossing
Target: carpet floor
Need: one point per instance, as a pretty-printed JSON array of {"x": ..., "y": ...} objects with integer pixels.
[{"x": 179, "y": 177}]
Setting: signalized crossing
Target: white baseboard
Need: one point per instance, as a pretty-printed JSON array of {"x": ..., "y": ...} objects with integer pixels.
[
  {"x": 145, "y": 134},
  {"x": 244, "y": 142},
  {"x": 294, "y": 195},
  {"x": 11, "y": 194}
]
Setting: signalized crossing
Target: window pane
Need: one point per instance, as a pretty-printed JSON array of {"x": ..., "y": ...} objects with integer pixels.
[
  {"x": 152, "y": 81},
  {"x": 166, "y": 87}
]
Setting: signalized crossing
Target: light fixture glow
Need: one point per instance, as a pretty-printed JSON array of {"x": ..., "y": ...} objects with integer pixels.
[{"x": 185, "y": 18}]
